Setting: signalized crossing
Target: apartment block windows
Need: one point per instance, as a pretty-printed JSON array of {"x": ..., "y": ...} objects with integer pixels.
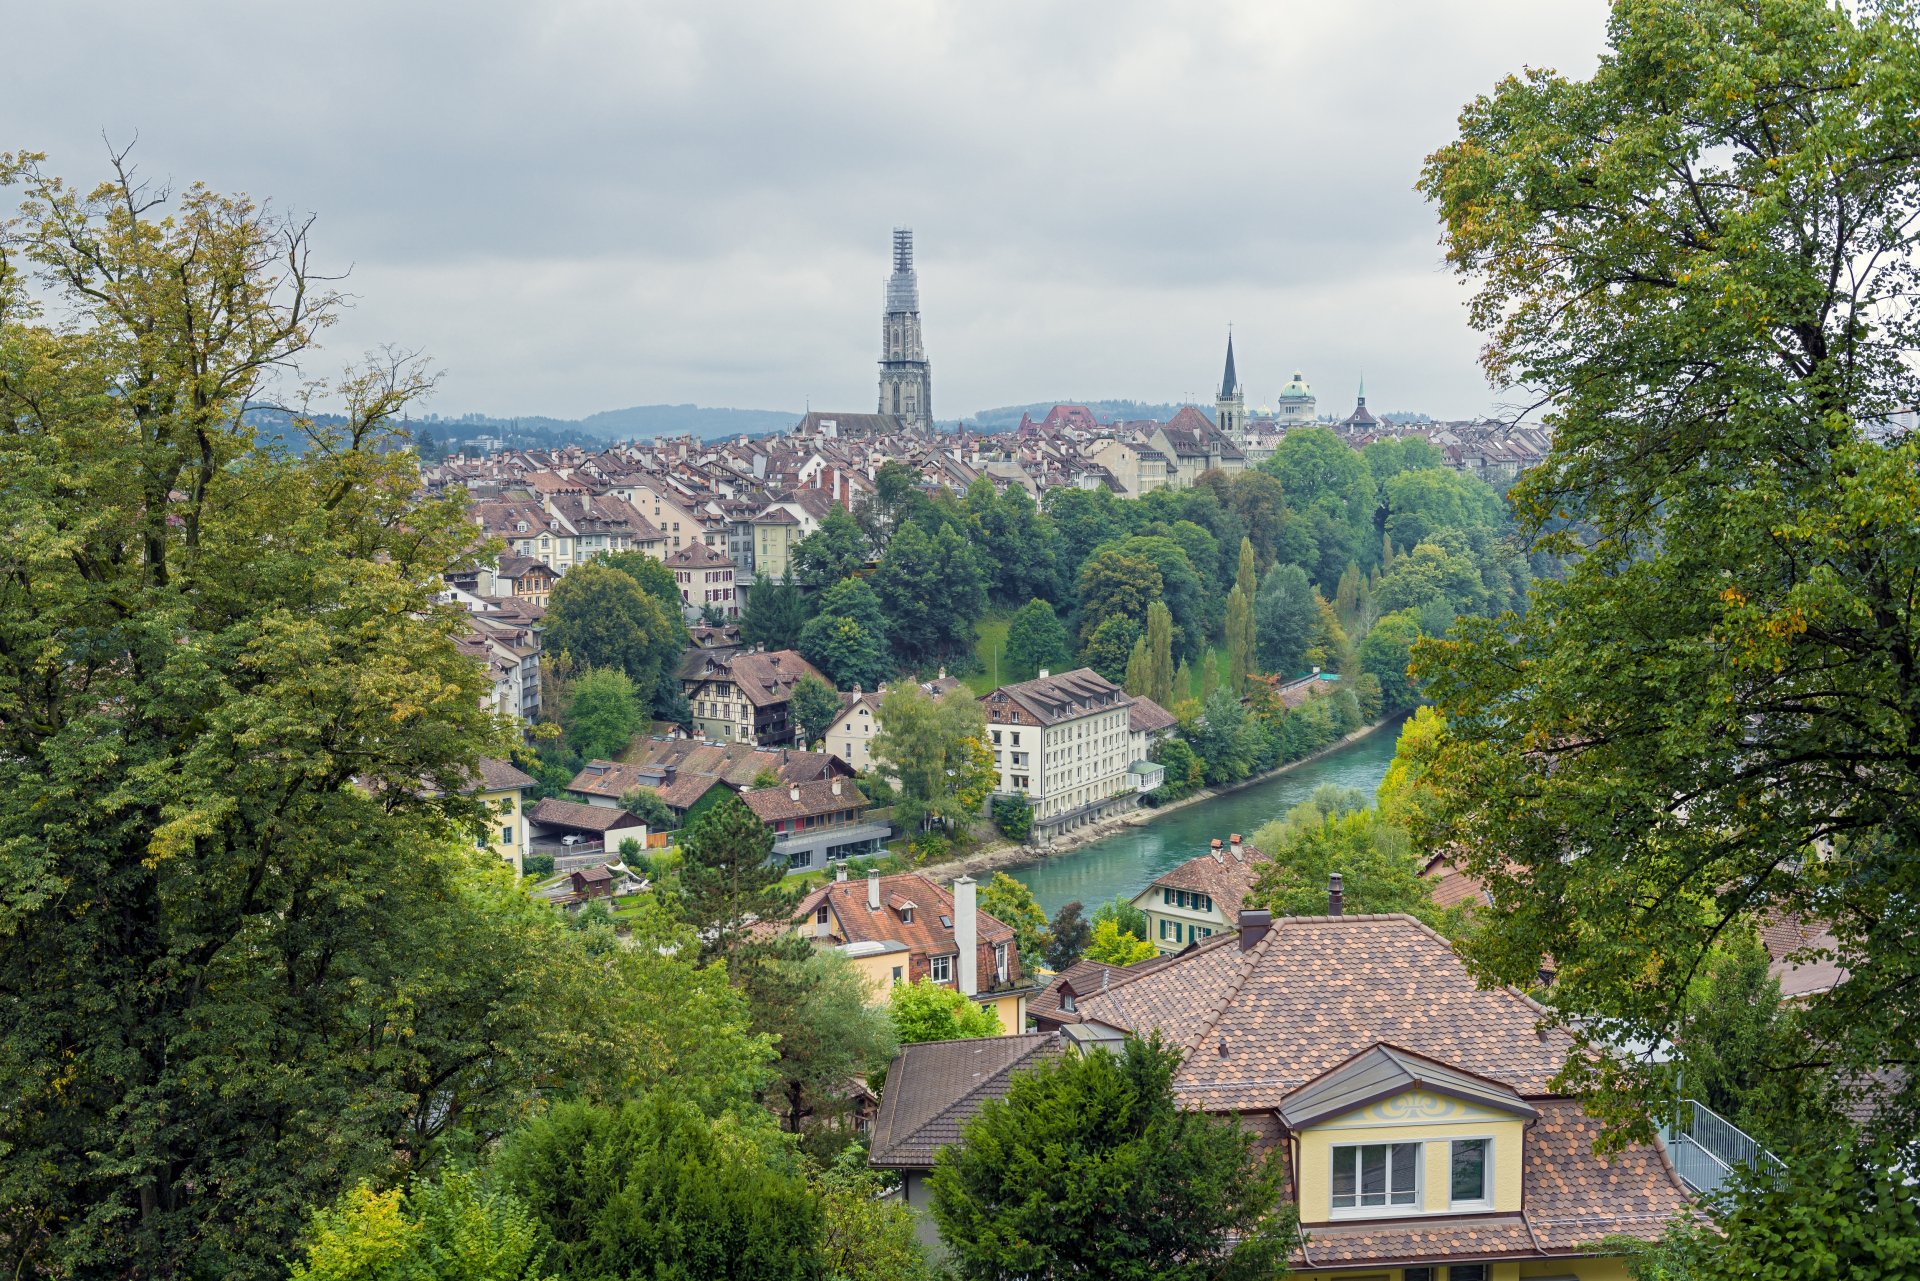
[
  {"x": 1469, "y": 1173},
  {"x": 1376, "y": 1177}
]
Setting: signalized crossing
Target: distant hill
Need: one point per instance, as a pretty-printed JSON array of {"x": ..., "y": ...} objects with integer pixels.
[
  {"x": 1007, "y": 417},
  {"x": 644, "y": 421}
]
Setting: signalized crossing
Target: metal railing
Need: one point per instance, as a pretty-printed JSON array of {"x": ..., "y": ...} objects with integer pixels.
[{"x": 1706, "y": 1148}]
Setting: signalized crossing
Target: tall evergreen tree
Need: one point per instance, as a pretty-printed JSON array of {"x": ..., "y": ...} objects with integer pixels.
[
  {"x": 1036, "y": 639},
  {"x": 1159, "y": 640},
  {"x": 728, "y": 880},
  {"x": 1239, "y": 640},
  {"x": 1139, "y": 677},
  {"x": 774, "y": 615}
]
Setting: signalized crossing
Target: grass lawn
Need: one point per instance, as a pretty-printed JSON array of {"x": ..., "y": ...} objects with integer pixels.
[{"x": 990, "y": 641}]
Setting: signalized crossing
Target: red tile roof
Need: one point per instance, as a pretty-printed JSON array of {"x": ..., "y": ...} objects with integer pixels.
[{"x": 1225, "y": 875}]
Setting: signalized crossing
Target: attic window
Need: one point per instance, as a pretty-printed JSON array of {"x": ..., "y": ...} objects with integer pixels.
[
  {"x": 946, "y": 920},
  {"x": 906, "y": 914}
]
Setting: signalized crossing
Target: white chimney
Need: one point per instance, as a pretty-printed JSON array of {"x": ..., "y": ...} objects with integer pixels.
[
  {"x": 966, "y": 934},
  {"x": 840, "y": 873},
  {"x": 793, "y": 793},
  {"x": 1044, "y": 673},
  {"x": 836, "y": 787},
  {"x": 873, "y": 890}
]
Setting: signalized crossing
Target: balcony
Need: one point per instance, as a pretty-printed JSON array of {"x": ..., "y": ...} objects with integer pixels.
[{"x": 1706, "y": 1149}]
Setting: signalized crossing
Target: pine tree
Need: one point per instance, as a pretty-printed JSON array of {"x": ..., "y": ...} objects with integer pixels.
[{"x": 1159, "y": 640}]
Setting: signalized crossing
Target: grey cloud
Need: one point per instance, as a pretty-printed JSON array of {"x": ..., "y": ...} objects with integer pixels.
[{"x": 583, "y": 205}]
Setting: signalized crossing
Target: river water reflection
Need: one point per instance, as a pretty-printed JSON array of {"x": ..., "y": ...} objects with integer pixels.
[{"x": 1127, "y": 862}]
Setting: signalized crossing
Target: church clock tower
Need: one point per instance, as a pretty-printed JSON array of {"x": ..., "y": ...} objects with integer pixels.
[{"x": 906, "y": 379}]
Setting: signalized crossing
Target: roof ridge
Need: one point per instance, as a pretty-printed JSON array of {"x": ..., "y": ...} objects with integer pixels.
[{"x": 1249, "y": 959}]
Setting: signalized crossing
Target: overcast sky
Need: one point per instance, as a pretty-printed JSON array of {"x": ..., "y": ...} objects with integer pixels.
[{"x": 578, "y": 205}]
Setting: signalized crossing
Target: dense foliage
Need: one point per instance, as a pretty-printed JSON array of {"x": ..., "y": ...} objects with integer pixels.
[
  {"x": 1088, "y": 1169},
  {"x": 1703, "y": 257},
  {"x": 929, "y": 1011}
]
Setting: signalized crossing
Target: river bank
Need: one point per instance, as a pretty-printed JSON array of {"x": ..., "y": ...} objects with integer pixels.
[{"x": 1002, "y": 855}]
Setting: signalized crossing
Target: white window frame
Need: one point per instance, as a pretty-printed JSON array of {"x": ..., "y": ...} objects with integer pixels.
[
  {"x": 1359, "y": 1210},
  {"x": 1485, "y": 1201},
  {"x": 937, "y": 964}
]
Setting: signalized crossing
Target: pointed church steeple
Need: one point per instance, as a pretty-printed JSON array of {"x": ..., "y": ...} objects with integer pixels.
[
  {"x": 1230, "y": 407},
  {"x": 906, "y": 378}
]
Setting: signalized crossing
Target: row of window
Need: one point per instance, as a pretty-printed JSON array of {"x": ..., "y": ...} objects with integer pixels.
[
  {"x": 1175, "y": 932},
  {"x": 1192, "y": 900},
  {"x": 1385, "y": 1177}
]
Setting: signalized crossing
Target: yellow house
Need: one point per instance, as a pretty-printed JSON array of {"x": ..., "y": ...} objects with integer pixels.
[
  {"x": 1415, "y": 1111},
  {"x": 503, "y": 789},
  {"x": 775, "y": 531}
]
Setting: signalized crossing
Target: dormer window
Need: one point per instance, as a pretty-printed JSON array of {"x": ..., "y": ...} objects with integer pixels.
[
  {"x": 906, "y": 917},
  {"x": 1383, "y": 1178}
]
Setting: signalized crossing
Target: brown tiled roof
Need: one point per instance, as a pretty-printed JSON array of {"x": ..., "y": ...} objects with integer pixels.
[
  {"x": 769, "y": 678},
  {"x": 801, "y": 800},
  {"x": 1085, "y": 978},
  {"x": 1224, "y": 875},
  {"x": 686, "y": 789},
  {"x": 582, "y": 818},
  {"x": 1574, "y": 1197},
  {"x": 1318, "y": 989},
  {"x": 855, "y": 922},
  {"x": 1068, "y": 696},
  {"x": 1415, "y": 1240},
  {"x": 738, "y": 763},
  {"x": 1796, "y": 946},
  {"x": 698, "y": 556},
  {"x": 1148, "y": 717},
  {"x": 499, "y": 776},
  {"x": 935, "y": 1087},
  {"x": 1449, "y": 885}
]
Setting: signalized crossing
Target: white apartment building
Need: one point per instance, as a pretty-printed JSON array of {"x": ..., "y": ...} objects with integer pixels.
[{"x": 1065, "y": 743}]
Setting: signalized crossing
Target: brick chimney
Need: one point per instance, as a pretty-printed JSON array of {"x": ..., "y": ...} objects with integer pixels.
[
  {"x": 1254, "y": 924},
  {"x": 1336, "y": 901},
  {"x": 1239, "y": 851},
  {"x": 966, "y": 935}
]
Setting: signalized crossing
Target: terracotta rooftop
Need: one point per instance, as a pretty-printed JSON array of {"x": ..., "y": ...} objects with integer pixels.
[
  {"x": 925, "y": 935},
  {"x": 581, "y": 818},
  {"x": 935, "y": 1087},
  {"x": 1257, "y": 1024},
  {"x": 803, "y": 800}
]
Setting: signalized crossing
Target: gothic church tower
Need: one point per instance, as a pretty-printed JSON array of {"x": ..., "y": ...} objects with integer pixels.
[
  {"x": 1231, "y": 406},
  {"x": 906, "y": 379}
]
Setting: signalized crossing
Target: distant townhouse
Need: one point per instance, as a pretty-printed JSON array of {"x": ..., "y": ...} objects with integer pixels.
[
  {"x": 706, "y": 581},
  {"x": 851, "y": 736},
  {"x": 1196, "y": 447},
  {"x": 1065, "y": 743},
  {"x": 906, "y": 928},
  {"x": 744, "y": 696}
]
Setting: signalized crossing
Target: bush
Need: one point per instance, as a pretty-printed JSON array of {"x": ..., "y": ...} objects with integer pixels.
[
  {"x": 1013, "y": 815},
  {"x": 537, "y": 865}
]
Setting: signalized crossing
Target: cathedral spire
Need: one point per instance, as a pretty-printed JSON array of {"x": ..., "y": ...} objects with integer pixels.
[
  {"x": 1230, "y": 407},
  {"x": 1230, "y": 381},
  {"x": 906, "y": 378}
]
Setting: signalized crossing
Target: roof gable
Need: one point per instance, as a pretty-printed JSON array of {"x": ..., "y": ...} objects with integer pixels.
[{"x": 1384, "y": 1072}]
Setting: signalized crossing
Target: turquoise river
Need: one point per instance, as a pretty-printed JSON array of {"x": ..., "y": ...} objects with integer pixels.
[{"x": 1127, "y": 862}]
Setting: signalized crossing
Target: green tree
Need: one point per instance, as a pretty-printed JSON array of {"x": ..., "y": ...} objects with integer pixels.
[
  {"x": 1013, "y": 815},
  {"x": 1139, "y": 673},
  {"x": 1011, "y": 903},
  {"x": 815, "y": 707},
  {"x": 453, "y": 1228},
  {"x": 1322, "y": 477},
  {"x": 869, "y": 1235},
  {"x": 929, "y": 1011},
  {"x": 647, "y": 805},
  {"x": 850, "y": 653},
  {"x": 1240, "y": 632},
  {"x": 834, "y": 551},
  {"x": 938, "y": 750},
  {"x": 1024, "y": 558},
  {"x": 932, "y": 588},
  {"x": 1116, "y": 585},
  {"x": 1285, "y": 614},
  {"x": 817, "y": 1007},
  {"x": 775, "y": 614},
  {"x": 1734, "y": 1041},
  {"x": 1112, "y": 945},
  {"x": 655, "y": 579},
  {"x": 1120, "y": 910},
  {"x": 1654, "y": 250},
  {"x": 1088, "y": 1168},
  {"x": 1182, "y": 685},
  {"x": 1441, "y": 573},
  {"x": 601, "y": 618},
  {"x": 1424, "y": 502},
  {"x": 1377, "y": 865},
  {"x": 1386, "y": 654},
  {"x": 728, "y": 879},
  {"x": 1209, "y": 676},
  {"x": 1110, "y": 648},
  {"x": 1159, "y": 640},
  {"x": 656, "y": 1190},
  {"x": 602, "y": 713},
  {"x": 1070, "y": 936},
  {"x": 235, "y": 740},
  {"x": 1036, "y": 639}
]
